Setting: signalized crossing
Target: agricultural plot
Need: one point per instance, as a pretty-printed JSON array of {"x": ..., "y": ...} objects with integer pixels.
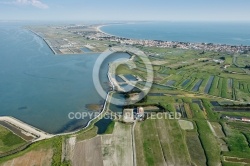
[
  {"x": 152, "y": 151},
  {"x": 238, "y": 145},
  {"x": 188, "y": 111},
  {"x": 179, "y": 108},
  {"x": 163, "y": 143},
  {"x": 185, "y": 82},
  {"x": 214, "y": 80},
  {"x": 210, "y": 113},
  {"x": 216, "y": 128},
  {"x": 195, "y": 149},
  {"x": 117, "y": 148},
  {"x": 88, "y": 152},
  {"x": 224, "y": 89},
  {"x": 196, "y": 111},
  {"x": 209, "y": 143},
  {"x": 237, "y": 139},
  {"x": 208, "y": 85},
  {"x": 243, "y": 60},
  {"x": 8, "y": 140},
  {"x": 214, "y": 90},
  {"x": 235, "y": 70},
  {"x": 38, "y": 157},
  {"x": 205, "y": 76},
  {"x": 243, "y": 127},
  {"x": 241, "y": 90},
  {"x": 170, "y": 83},
  {"x": 197, "y": 86}
]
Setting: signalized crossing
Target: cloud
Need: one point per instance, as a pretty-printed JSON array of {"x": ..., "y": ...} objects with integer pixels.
[{"x": 35, "y": 3}]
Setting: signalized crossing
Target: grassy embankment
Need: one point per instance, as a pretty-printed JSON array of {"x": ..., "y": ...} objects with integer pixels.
[{"x": 8, "y": 140}]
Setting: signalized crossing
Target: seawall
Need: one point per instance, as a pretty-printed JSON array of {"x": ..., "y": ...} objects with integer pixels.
[{"x": 51, "y": 48}]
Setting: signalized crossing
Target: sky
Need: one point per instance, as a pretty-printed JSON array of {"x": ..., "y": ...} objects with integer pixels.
[{"x": 118, "y": 10}]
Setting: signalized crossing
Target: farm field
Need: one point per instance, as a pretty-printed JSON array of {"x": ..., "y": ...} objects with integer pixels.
[
  {"x": 193, "y": 72},
  {"x": 9, "y": 140},
  {"x": 88, "y": 152},
  {"x": 117, "y": 147},
  {"x": 162, "y": 143},
  {"x": 195, "y": 148},
  {"x": 194, "y": 88},
  {"x": 46, "y": 152},
  {"x": 208, "y": 143},
  {"x": 40, "y": 157}
]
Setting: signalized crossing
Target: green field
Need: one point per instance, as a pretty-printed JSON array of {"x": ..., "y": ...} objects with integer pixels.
[
  {"x": 162, "y": 142},
  {"x": 8, "y": 140},
  {"x": 238, "y": 142},
  {"x": 208, "y": 142},
  {"x": 195, "y": 148},
  {"x": 181, "y": 65}
]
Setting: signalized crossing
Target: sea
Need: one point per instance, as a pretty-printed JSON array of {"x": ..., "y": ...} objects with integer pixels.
[
  {"x": 230, "y": 33},
  {"x": 41, "y": 88}
]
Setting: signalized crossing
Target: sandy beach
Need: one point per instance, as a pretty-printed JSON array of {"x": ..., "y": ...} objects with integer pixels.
[{"x": 98, "y": 28}]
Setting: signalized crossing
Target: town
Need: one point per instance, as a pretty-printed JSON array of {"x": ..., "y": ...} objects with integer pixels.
[{"x": 93, "y": 32}]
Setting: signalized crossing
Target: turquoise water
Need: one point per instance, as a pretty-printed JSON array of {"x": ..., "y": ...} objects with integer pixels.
[
  {"x": 207, "y": 32},
  {"x": 41, "y": 88}
]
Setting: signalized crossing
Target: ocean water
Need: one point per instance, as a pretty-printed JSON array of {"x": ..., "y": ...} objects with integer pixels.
[
  {"x": 41, "y": 88},
  {"x": 234, "y": 33}
]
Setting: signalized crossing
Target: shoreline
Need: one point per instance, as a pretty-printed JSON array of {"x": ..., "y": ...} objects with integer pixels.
[
  {"x": 44, "y": 135},
  {"x": 23, "y": 126},
  {"x": 98, "y": 28},
  {"x": 18, "y": 124},
  {"x": 44, "y": 41}
]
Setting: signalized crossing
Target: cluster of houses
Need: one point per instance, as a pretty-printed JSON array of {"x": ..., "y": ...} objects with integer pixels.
[
  {"x": 131, "y": 115},
  {"x": 93, "y": 32}
]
